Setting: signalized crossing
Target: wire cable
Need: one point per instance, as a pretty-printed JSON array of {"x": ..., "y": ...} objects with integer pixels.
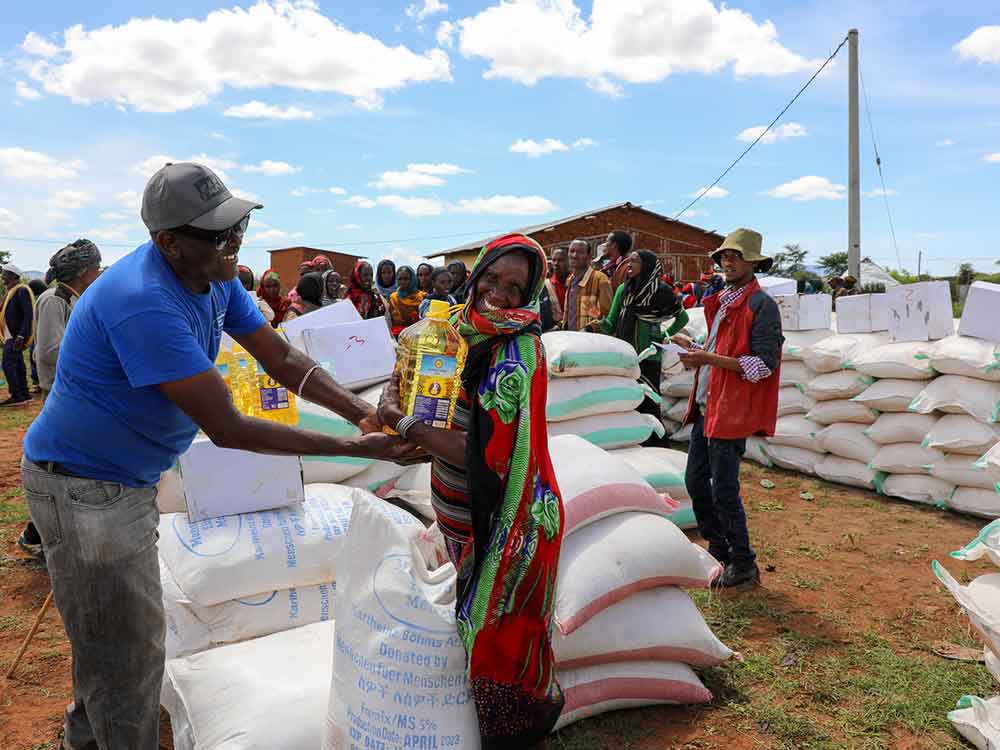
[
  {"x": 768, "y": 128},
  {"x": 878, "y": 165}
]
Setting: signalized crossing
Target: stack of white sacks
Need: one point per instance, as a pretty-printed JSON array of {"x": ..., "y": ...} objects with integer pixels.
[
  {"x": 978, "y": 719},
  {"x": 594, "y": 391},
  {"x": 870, "y": 408},
  {"x": 264, "y": 583}
]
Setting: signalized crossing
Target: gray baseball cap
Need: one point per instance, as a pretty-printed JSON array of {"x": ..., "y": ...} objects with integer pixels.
[{"x": 193, "y": 195}]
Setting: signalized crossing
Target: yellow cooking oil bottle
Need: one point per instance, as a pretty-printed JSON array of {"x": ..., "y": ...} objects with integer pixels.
[
  {"x": 430, "y": 359},
  {"x": 255, "y": 393}
]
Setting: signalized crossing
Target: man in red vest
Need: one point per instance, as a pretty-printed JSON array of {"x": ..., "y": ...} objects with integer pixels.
[{"x": 735, "y": 395}]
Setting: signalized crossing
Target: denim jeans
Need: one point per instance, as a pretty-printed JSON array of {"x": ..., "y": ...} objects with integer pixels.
[
  {"x": 713, "y": 482},
  {"x": 100, "y": 547},
  {"x": 15, "y": 371}
]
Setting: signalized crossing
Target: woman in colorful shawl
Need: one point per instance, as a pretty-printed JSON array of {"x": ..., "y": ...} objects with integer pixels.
[
  {"x": 270, "y": 292},
  {"x": 424, "y": 283},
  {"x": 310, "y": 297},
  {"x": 404, "y": 304},
  {"x": 459, "y": 277},
  {"x": 333, "y": 287},
  {"x": 385, "y": 278},
  {"x": 367, "y": 301},
  {"x": 496, "y": 497},
  {"x": 639, "y": 308}
]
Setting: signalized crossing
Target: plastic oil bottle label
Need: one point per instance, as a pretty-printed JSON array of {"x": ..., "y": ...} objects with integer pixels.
[
  {"x": 272, "y": 395},
  {"x": 435, "y": 381}
]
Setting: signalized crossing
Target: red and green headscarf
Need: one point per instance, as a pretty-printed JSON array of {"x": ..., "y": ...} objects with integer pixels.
[{"x": 507, "y": 579}]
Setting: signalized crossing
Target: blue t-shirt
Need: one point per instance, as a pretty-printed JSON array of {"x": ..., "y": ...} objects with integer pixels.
[{"x": 136, "y": 327}]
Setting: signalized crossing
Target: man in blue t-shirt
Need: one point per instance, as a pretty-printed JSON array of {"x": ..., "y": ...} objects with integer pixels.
[{"x": 134, "y": 382}]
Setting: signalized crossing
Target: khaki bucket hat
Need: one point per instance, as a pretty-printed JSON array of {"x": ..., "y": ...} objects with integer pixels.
[{"x": 747, "y": 243}]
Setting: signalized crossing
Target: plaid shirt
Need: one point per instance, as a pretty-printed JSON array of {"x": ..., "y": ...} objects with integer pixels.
[{"x": 754, "y": 369}]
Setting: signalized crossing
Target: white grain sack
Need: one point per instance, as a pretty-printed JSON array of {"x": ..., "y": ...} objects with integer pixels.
[
  {"x": 796, "y": 343},
  {"x": 976, "y": 502},
  {"x": 918, "y": 488},
  {"x": 757, "y": 452},
  {"x": 794, "y": 459},
  {"x": 960, "y": 433},
  {"x": 963, "y": 355},
  {"x": 847, "y": 440},
  {"x": 796, "y": 432},
  {"x": 890, "y": 394},
  {"x": 846, "y": 471},
  {"x": 905, "y": 458},
  {"x": 793, "y": 401},
  {"x": 843, "y": 384},
  {"x": 795, "y": 374},
  {"x": 833, "y": 352},
  {"x": 963, "y": 471},
  {"x": 906, "y": 360},
  {"x": 840, "y": 410},
  {"x": 678, "y": 386},
  {"x": 901, "y": 428},
  {"x": 955, "y": 394}
]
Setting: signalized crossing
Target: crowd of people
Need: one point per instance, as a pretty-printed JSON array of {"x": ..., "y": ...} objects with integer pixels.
[{"x": 134, "y": 364}]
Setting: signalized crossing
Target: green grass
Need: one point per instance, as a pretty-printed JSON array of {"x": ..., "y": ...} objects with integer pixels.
[{"x": 12, "y": 507}]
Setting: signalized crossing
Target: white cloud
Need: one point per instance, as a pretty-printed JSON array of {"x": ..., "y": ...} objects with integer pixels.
[
  {"x": 779, "y": 133},
  {"x": 302, "y": 191},
  {"x": 412, "y": 206},
  {"x": 604, "y": 87},
  {"x": 982, "y": 45},
  {"x": 129, "y": 200},
  {"x": 161, "y": 65},
  {"x": 416, "y": 176},
  {"x": 34, "y": 44},
  {"x": 24, "y": 91},
  {"x": 445, "y": 34},
  {"x": 112, "y": 233},
  {"x": 360, "y": 201},
  {"x": 992, "y": 158},
  {"x": 945, "y": 142},
  {"x": 268, "y": 235},
  {"x": 58, "y": 215},
  {"x": 533, "y": 149},
  {"x": 581, "y": 143},
  {"x": 879, "y": 193},
  {"x": 215, "y": 135},
  {"x": 429, "y": 7},
  {"x": 70, "y": 200},
  {"x": 405, "y": 181},
  {"x": 693, "y": 213},
  {"x": 349, "y": 227},
  {"x": 440, "y": 168},
  {"x": 245, "y": 195},
  {"x": 23, "y": 164},
  {"x": 8, "y": 219},
  {"x": 808, "y": 188},
  {"x": 641, "y": 41},
  {"x": 272, "y": 168},
  {"x": 112, "y": 216},
  {"x": 504, "y": 204},
  {"x": 713, "y": 192},
  {"x": 255, "y": 110},
  {"x": 337, "y": 190},
  {"x": 148, "y": 167}
]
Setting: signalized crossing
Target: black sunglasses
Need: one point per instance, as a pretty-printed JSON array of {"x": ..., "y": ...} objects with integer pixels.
[{"x": 221, "y": 239}]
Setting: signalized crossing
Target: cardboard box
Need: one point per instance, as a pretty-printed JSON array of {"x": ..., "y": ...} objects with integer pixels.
[
  {"x": 353, "y": 353},
  {"x": 804, "y": 312},
  {"x": 981, "y": 315},
  {"x": 777, "y": 286},
  {"x": 335, "y": 314},
  {"x": 920, "y": 312},
  {"x": 863, "y": 313},
  {"x": 223, "y": 482}
]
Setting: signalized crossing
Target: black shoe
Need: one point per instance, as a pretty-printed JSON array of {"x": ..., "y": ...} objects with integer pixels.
[
  {"x": 737, "y": 575},
  {"x": 12, "y": 401},
  {"x": 34, "y": 549}
]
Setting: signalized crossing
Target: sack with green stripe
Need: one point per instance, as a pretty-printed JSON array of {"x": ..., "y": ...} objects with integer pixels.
[
  {"x": 570, "y": 398},
  {"x": 573, "y": 354},
  {"x": 610, "y": 431},
  {"x": 332, "y": 469}
]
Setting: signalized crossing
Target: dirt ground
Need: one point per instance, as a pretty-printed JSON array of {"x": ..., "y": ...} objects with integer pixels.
[{"x": 836, "y": 644}]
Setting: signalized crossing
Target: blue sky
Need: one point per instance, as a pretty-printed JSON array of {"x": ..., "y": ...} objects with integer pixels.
[{"x": 377, "y": 127}]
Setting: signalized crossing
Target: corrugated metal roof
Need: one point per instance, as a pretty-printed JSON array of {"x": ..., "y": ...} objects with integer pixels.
[{"x": 468, "y": 246}]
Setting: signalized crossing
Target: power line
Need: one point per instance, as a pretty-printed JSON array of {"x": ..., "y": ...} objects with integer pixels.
[
  {"x": 768, "y": 128},
  {"x": 878, "y": 165}
]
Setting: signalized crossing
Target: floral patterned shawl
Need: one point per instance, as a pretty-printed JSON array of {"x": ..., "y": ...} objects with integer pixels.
[{"x": 507, "y": 575}]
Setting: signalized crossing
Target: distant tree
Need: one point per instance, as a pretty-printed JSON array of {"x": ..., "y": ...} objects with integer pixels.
[
  {"x": 966, "y": 274},
  {"x": 873, "y": 287},
  {"x": 834, "y": 264},
  {"x": 4, "y": 256},
  {"x": 789, "y": 262}
]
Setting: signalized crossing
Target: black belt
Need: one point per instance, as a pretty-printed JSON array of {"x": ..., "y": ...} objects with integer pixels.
[{"x": 54, "y": 468}]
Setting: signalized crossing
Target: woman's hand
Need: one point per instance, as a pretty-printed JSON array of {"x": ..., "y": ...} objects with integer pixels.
[
  {"x": 388, "y": 448},
  {"x": 370, "y": 422},
  {"x": 681, "y": 340},
  {"x": 390, "y": 411}
]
